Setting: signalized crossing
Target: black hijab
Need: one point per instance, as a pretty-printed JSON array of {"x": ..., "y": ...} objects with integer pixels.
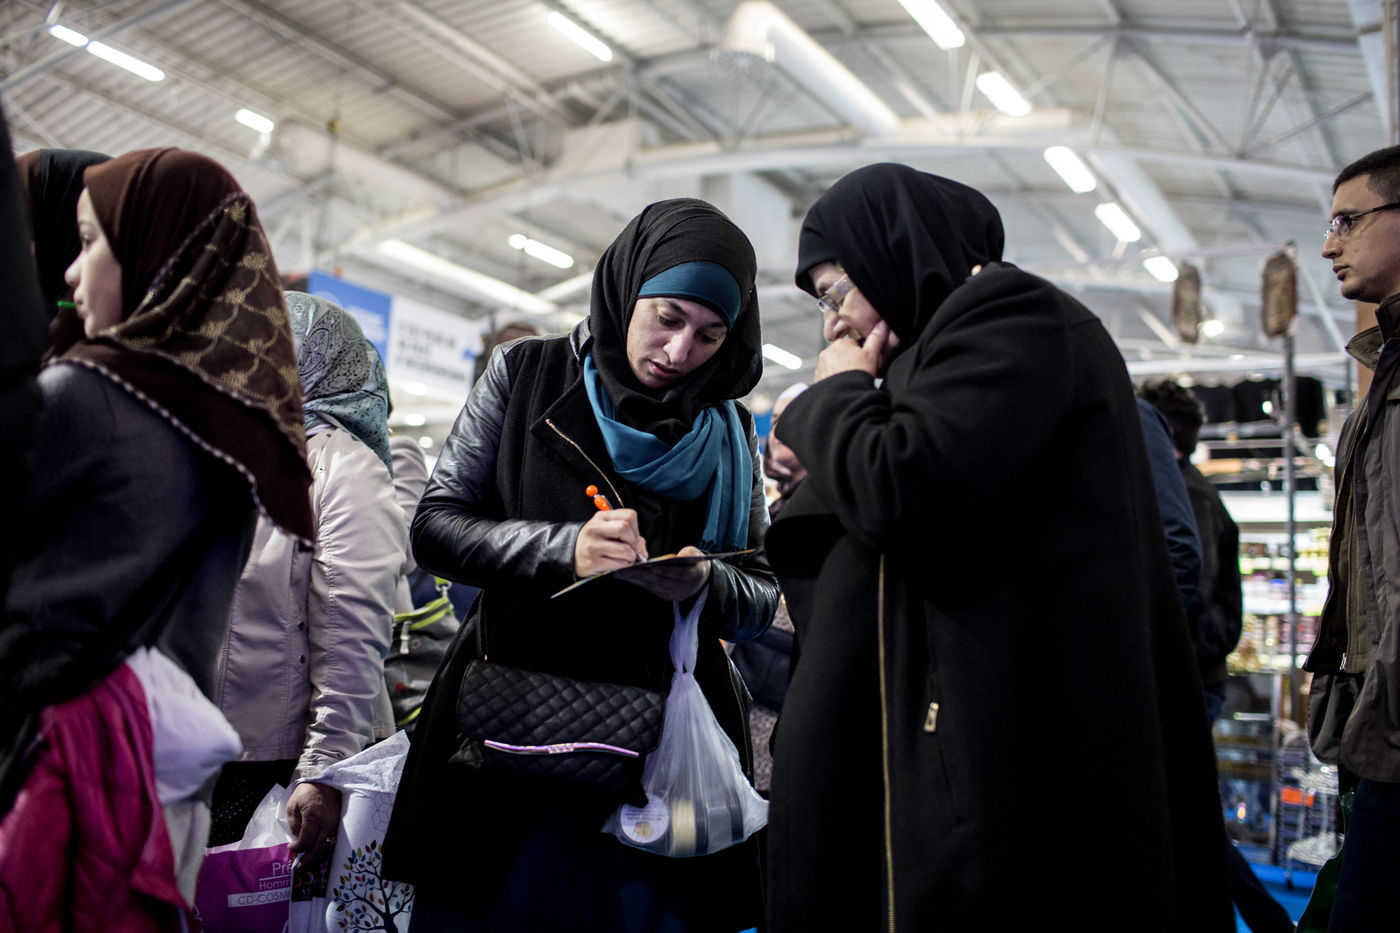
[
  {"x": 906, "y": 238},
  {"x": 53, "y": 179},
  {"x": 663, "y": 235},
  {"x": 24, "y": 322}
]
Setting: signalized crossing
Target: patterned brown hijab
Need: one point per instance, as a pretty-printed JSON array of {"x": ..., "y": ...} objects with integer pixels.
[{"x": 204, "y": 338}]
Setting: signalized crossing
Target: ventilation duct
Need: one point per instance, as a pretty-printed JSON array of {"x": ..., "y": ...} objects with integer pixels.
[{"x": 759, "y": 35}]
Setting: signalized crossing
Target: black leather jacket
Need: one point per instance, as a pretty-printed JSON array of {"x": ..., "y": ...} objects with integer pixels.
[
  {"x": 482, "y": 526},
  {"x": 502, "y": 511}
]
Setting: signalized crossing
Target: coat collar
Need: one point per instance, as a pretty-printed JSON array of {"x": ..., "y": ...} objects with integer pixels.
[
  {"x": 1366, "y": 346},
  {"x": 1388, "y": 316}
]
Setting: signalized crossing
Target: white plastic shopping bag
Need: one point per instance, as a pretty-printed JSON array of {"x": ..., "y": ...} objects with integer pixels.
[
  {"x": 698, "y": 800},
  {"x": 356, "y": 896}
]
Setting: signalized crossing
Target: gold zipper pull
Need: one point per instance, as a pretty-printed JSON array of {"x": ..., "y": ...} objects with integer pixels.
[{"x": 931, "y": 720}]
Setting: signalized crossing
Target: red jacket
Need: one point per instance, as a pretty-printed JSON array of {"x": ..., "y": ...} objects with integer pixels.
[{"x": 85, "y": 847}]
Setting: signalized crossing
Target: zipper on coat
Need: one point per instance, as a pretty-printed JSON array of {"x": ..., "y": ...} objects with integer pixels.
[
  {"x": 745, "y": 754},
  {"x": 574, "y": 444},
  {"x": 885, "y": 750}
]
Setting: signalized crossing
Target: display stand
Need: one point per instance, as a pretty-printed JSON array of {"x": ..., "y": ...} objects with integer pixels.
[
  {"x": 1306, "y": 804},
  {"x": 1275, "y": 791}
]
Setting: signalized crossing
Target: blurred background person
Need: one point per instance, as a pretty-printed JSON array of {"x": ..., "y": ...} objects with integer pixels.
[
  {"x": 780, "y": 464},
  {"x": 1178, "y": 521},
  {"x": 19, "y": 364},
  {"x": 764, "y": 661},
  {"x": 1215, "y": 617},
  {"x": 301, "y": 670},
  {"x": 18, "y": 374},
  {"x": 53, "y": 181}
]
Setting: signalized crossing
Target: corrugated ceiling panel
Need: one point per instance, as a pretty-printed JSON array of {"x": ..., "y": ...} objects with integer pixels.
[
  {"x": 406, "y": 92},
  {"x": 1193, "y": 14},
  {"x": 1021, "y": 12},
  {"x": 1323, "y": 16},
  {"x": 646, "y": 30}
]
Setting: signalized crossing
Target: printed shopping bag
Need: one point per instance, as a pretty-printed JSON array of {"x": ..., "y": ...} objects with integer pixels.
[
  {"x": 246, "y": 886},
  {"x": 357, "y": 896}
]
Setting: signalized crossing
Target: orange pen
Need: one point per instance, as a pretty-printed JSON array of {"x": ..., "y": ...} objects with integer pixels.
[{"x": 600, "y": 500}]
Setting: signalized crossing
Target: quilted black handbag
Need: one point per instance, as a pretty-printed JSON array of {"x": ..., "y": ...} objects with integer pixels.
[{"x": 572, "y": 734}]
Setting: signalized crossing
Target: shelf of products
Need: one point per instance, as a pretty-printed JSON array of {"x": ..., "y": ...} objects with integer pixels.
[
  {"x": 1264, "y": 641},
  {"x": 1271, "y": 787},
  {"x": 1244, "y": 751}
]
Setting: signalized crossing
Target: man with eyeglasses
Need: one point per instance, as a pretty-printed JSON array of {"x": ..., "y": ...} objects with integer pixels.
[{"x": 1354, "y": 701}]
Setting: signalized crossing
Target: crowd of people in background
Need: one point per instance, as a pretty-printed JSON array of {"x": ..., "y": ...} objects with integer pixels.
[{"x": 212, "y": 529}]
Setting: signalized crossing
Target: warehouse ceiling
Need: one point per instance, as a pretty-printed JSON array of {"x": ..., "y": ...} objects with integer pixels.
[{"x": 405, "y": 128}]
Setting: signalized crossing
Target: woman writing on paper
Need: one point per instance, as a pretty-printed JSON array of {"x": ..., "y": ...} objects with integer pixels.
[{"x": 637, "y": 400}]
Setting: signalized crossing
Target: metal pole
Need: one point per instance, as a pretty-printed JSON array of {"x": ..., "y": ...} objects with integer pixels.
[
  {"x": 1290, "y": 641},
  {"x": 1390, "y": 26},
  {"x": 1290, "y": 418}
]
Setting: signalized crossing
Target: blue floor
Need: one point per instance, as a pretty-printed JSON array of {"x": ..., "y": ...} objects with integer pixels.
[{"x": 1293, "y": 899}]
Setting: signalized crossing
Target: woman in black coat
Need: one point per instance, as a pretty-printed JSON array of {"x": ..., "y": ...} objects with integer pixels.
[
  {"x": 671, "y": 339},
  {"x": 994, "y": 720}
]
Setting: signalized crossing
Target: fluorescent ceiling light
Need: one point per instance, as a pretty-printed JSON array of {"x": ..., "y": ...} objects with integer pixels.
[
  {"x": 107, "y": 53},
  {"x": 541, "y": 251},
  {"x": 426, "y": 442},
  {"x": 1002, "y": 95},
  {"x": 254, "y": 121},
  {"x": 1162, "y": 268},
  {"x": 71, "y": 36},
  {"x": 1071, "y": 168},
  {"x": 415, "y": 420},
  {"x": 782, "y": 357},
  {"x": 1213, "y": 328},
  {"x": 484, "y": 287},
  {"x": 935, "y": 21},
  {"x": 123, "y": 60},
  {"x": 589, "y": 42},
  {"x": 415, "y": 388},
  {"x": 1118, "y": 222}
]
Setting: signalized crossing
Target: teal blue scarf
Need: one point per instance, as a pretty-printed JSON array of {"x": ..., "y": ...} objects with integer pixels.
[{"x": 713, "y": 454}]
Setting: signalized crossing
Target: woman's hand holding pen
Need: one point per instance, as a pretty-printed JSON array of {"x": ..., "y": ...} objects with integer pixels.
[
  {"x": 610, "y": 540},
  {"x": 607, "y": 541}
]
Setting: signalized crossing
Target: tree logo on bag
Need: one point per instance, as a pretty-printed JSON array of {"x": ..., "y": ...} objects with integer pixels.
[{"x": 369, "y": 901}]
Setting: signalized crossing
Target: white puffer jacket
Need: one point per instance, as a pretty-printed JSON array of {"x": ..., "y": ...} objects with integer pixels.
[{"x": 301, "y": 672}]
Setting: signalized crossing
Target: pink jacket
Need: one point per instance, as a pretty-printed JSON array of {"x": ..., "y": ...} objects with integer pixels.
[{"x": 85, "y": 846}]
